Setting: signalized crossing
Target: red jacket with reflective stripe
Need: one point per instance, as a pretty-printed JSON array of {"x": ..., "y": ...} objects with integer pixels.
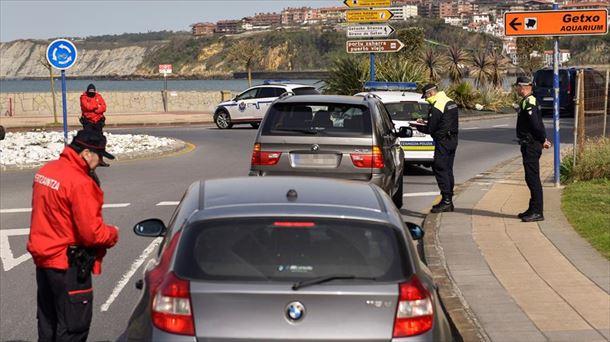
[
  {"x": 93, "y": 108},
  {"x": 67, "y": 210}
]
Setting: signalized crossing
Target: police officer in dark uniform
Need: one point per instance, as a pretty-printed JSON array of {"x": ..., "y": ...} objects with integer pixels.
[
  {"x": 442, "y": 125},
  {"x": 532, "y": 138}
]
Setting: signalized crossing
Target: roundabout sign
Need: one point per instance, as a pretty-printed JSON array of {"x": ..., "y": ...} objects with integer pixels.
[{"x": 61, "y": 54}]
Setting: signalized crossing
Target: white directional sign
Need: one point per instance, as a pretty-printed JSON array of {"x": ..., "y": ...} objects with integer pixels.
[
  {"x": 61, "y": 54},
  {"x": 369, "y": 31}
]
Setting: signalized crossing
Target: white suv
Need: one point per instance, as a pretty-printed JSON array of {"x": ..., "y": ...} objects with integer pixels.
[{"x": 250, "y": 106}]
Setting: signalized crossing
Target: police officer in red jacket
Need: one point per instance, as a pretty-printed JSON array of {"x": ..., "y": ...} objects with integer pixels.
[
  {"x": 93, "y": 106},
  {"x": 68, "y": 237}
]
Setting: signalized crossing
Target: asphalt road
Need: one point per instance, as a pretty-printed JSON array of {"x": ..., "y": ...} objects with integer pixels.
[{"x": 140, "y": 189}]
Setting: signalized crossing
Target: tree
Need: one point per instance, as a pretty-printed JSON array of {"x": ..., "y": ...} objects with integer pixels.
[
  {"x": 497, "y": 69},
  {"x": 433, "y": 63},
  {"x": 527, "y": 47},
  {"x": 42, "y": 59},
  {"x": 481, "y": 68},
  {"x": 458, "y": 59},
  {"x": 247, "y": 53},
  {"x": 400, "y": 69},
  {"x": 347, "y": 75},
  {"x": 413, "y": 39}
]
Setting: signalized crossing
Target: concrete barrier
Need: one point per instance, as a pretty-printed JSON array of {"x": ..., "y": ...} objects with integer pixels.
[{"x": 41, "y": 104}]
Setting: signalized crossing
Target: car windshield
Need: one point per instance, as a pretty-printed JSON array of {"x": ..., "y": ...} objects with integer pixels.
[
  {"x": 280, "y": 249},
  {"x": 407, "y": 110},
  {"x": 332, "y": 119},
  {"x": 544, "y": 79},
  {"x": 305, "y": 91}
]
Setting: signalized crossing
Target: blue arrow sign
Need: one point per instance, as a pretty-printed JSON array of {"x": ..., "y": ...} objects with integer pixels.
[{"x": 61, "y": 54}]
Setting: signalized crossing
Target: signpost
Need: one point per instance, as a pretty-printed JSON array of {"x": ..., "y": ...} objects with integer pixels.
[
  {"x": 62, "y": 54},
  {"x": 369, "y": 46},
  {"x": 556, "y": 23},
  {"x": 368, "y": 16},
  {"x": 165, "y": 69},
  {"x": 369, "y": 31},
  {"x": 367, "y": 3}
]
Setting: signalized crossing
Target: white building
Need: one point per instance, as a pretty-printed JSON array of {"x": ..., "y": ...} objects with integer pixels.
[
  {"x": 564, "y": 57},
  {"x": 402, "y": 12}
]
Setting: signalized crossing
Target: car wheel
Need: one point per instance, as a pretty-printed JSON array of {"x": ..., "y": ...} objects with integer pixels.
[
  {"x": 255, "y": 124},
  {"x": 222, "y": 120},
  {"x": 397, "y": 197}
]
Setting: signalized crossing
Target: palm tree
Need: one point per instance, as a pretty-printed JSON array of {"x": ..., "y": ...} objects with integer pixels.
[
  {"x": 433, "y": 63},
  {"x": 400, "y": 69},
  {"x": 248, "y": 53},
  {"x": 458, "y": 58},
  {"x": 346, "y": 76},
  {"x": 480, "y": 68},
  {"x": 497, "y": 68}
]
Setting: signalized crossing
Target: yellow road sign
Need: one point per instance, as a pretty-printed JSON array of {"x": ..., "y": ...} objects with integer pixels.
[
  {"x": 367, "y": 3},
  {"x": 556, "y": 23},
  {"x": 366, "y": 16}
]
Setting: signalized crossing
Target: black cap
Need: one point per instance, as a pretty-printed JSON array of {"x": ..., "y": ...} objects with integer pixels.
[
  {"x": 427, "y": 88},
  {"x": 91, "y": 88},
  {"x": 523, "y": 80},
  {"x": 92, "y": 140}
]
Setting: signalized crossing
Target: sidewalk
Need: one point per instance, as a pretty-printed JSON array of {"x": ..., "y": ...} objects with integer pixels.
[
  {"x": 113, "y": 120},
  {"x": 505, "y": 280}
]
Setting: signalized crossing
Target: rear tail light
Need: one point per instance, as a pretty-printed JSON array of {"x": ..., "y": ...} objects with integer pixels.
[
  {"x": 414, "y": 314},
  {"x": 171, "y": 307},
  {"x": 264, "y": 157},
  {"x": 294, "y": 224},
  {"x": 368, "y": 160}
]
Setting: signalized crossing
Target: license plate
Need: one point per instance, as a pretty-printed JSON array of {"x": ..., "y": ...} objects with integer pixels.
[
  {"x": 547, "y": 99},
  {"x": 315, "y": 160}
]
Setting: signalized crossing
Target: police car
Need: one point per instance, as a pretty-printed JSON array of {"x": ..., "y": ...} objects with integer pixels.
[
  {"x": 405, "y": 107},
  {"x": 250, "y": 106}
]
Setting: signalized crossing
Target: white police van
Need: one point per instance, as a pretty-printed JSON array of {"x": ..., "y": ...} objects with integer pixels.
[
  {"x": 250, "y": 106},
  {"x": 405, "y": 107}
]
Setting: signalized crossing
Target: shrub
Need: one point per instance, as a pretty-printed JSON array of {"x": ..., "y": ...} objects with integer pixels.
[
  {"x": 592, "y": 162},
  {"x": 346, "y": 76},
  {"x": 493, "y": 99},
  {"x": 463, "y": 94}
]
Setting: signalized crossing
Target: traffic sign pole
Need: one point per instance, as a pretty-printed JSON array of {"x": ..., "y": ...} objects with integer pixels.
[
  {"x": 64, "y": 105},
  {"x": 556, "y": 141},
  {"x": 372, "y": 66}
]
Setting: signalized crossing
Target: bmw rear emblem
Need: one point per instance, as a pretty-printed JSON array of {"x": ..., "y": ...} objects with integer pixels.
[
  {"x": 295, "y": 311},
  {"x": 315, "y": 147}
]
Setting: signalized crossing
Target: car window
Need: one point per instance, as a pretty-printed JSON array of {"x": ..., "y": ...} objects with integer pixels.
[
  {"x": 250, "y": 94},
  {"x": 388, "y": 125},
  {"x": 544, "y": 79},
  {"x": 272, "y": 249},
  {"x": 267, "y": 92},
  {"x": 407, "y": 110},
  {"x": 181, "y": 214},
  {"x": 305, "y": 91},
  {"x": 331, "y": 119}
]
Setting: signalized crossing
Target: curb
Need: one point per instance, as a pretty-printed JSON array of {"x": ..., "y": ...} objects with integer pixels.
[
  {"x": 485, "y": 117},
  {"x": 176, "y": 147},
  {"x": 112, "y": 125},
  {"x": 463, "y": 320}
]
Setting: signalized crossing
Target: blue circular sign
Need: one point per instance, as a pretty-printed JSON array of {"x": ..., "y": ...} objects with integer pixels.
[{"x": 61, "y": 54}]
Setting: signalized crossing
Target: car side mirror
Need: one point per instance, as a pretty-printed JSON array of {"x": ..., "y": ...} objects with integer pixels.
[
  {"x": 417, "y": 232},
  {"x": 150, "y": 228},
  {"x": 405, "y": 132}
]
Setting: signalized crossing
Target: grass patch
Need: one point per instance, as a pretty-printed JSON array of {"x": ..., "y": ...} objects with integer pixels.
[{"x": 587, "y": 207}]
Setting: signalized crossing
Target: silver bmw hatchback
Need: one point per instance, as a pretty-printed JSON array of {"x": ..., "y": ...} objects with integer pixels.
[{"x": 286, "y": 259}]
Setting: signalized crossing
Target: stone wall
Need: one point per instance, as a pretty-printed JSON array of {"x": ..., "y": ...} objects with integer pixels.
[{"x": 41, "y": 104}]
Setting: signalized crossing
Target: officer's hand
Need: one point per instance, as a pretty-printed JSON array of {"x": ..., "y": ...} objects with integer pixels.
[
  {"x": 547, "y": 144},
  {"x": 420, "y": 120},
  {"x": 516, "y": 106}
]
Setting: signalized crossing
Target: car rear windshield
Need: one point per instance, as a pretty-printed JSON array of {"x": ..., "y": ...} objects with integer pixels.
[
  {"x": 265, "y": 249},
  {"x": 544, "y": 79},
  {"x": 305, "y": 91},
  {"x": 332, "y": 119},
  {"x": 407, "y": 110}
]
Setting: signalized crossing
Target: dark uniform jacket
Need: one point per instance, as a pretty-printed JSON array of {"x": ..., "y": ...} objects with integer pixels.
[
  {"x": 529, "y": 121},
  {"x": 442, "y": 117}
]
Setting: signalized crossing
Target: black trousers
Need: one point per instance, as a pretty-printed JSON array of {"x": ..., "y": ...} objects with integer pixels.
[
  {"x": 531, "y": 153},
  {"x": 444, "y": 155},
  {"x": 65, "y": 305},
  {"x": 98, "y": 126}
]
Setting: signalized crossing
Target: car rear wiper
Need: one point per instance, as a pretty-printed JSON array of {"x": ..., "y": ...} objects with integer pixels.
[
  {"x": 300, "y": 130},
  {"x": 328, "y": 278}
]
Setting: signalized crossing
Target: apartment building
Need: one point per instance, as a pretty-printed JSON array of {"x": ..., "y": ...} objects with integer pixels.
[
  {"x": 203, "y": 29},
  {"x": 229, "y": 26}
]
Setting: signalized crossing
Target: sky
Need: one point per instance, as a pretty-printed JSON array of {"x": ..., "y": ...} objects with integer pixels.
[{"x": 43, "y": 19}]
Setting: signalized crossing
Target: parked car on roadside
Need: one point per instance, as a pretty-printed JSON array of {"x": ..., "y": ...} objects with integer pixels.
[
  {"x": 250, "y": 106},
  {"x": 286, "y": 258},
  {"x": 346, "y": 137},
  {"x": 405, "y": 107}
]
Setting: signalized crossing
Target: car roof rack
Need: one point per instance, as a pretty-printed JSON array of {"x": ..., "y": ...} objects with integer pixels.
[
  {"x": 269, "y": 82},
  {"x": 400, "y": 86}
]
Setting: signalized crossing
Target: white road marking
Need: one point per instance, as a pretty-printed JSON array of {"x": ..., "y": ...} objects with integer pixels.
[
  {"x": 421, "y": 194},
  {"x": 8, "y": 259},
  {"x": 469, "y": 128},
  {"x": 127, "y": 276},
  {"x": 168, "y": 203},
  {"x": 496, "y": 126},
  {"x": 27, "y": 210},
  {"x": 116, "y": 205}
]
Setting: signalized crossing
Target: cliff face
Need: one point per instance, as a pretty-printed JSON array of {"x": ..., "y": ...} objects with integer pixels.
[{"x": 21, "y": 58}]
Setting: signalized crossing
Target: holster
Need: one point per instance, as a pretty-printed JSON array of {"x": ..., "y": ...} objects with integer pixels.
[{"x": 82, "y": 259}]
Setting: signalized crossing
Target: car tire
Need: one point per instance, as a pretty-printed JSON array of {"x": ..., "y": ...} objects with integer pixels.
[
  {"x": 222, "y": 119},
  {"x": 397, "y": 197},
  {"x": 255, "y": 124}
]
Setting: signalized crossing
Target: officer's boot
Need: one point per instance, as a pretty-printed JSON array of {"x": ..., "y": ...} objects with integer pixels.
[{"x": 446, "y": 204}]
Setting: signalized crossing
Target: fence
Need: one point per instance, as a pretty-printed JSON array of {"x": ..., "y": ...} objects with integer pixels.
[{"x": 591, "y": 107}]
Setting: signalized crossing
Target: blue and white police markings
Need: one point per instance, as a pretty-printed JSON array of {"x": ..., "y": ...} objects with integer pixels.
[
  {"x": 61, "y": 54},
  {"x": 242, "y": 106},
  {"x": 295, "y": 311}
]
